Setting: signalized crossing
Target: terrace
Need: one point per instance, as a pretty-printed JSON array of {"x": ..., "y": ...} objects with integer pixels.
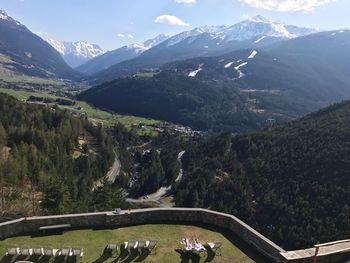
[{"x": 168, "y": 249}]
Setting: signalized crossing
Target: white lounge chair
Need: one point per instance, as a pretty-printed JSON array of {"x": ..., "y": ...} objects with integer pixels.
[
  {"x": 77, "y": 252},
  {"x": 130, "y": 245},
  {"x": 51, "y": 252},
  {"x": 12, "y": 251},
  {"x": 66, "y": 251},
  {"x": 152, "y": 246},
  {"x": 215, "y": 247},
  {"x": 141, "y": 245},
  {"x": 38, "y": 251},
  {"x": 26, "y": 251},
  {"x": 112, "y": 248}
]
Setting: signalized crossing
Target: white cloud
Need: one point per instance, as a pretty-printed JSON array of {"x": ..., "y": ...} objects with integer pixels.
[
  {"x": 170, "y": 20},
  {"x": 287, "y": 5},
  {"x": 120, "y": 35},
  {"x": 186, "y": 2},
  {"x": 130, "y": 36}
]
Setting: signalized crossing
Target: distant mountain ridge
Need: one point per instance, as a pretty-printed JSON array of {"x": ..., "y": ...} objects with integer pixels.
[
  {"x": 256, "y": 32},
  {"x": 76, "y": 53},
  {"x": 239, "y": 90},
  {"x": 22, "y": 52},
  {"x": 110, "y": 58}
]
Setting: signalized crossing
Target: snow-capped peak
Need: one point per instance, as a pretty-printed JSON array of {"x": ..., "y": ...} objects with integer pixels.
[
  {"x": 193, "y": 33},
  {"x": 5, "y": 16},
  {"x": 76, "y": 48},
  {"x": 59, "y": 46},
  {"x": 77, "y": 52},
  {"x": 256, "y": 26},
  {"x": 83, "y": 49},
  {"x": 142, "y": 47},
  {"x": 261, "y": 19}
]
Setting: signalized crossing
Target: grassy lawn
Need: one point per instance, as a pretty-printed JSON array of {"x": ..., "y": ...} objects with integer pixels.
[
  {"x": 168, "y": 237},
  {"x": 24, "y": 94}
]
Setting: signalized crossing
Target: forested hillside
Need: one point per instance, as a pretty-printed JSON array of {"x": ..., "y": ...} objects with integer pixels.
[
  {"x": 240, "y": 90},
  {"x": 179, "y": 99},
  {"x": 48, "y": 155},
  {"x": 291, "y": 183}
]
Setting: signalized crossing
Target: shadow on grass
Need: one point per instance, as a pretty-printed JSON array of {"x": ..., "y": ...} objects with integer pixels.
[
  {"x": 105, "y": 255},
  {"x": 133, "y": 256},
  {"x": 187, "y": 257},
  {"x": 47, "y": 233},
  {"x": 144, "y": 254},
  {"x": 210, "y": 255},
  {"x": 7, "y": 259},
  {"x": 244, "y": 247}
]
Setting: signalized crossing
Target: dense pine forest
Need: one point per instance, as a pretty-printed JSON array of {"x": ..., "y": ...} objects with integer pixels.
[
  {"x": 49, "y": 156},
  {"x": 291, "y": 183},
  {"x": 203, "y": 106}
]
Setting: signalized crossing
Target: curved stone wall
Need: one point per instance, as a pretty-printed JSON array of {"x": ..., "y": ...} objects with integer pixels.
[
  {"x": 147, "y": 216},
  {"x": 223, "y": 221}
]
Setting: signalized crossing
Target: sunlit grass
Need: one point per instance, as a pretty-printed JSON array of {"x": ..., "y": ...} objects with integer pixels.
[{"x": 168, "y": 237}]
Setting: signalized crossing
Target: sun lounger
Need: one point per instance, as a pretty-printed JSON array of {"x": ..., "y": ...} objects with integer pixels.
[
  {"x": 12, "y": 251},
  {"x": 112, "y": 248},
  {"x": 26, "y": 251},
  {"x": 38, "y": 251},
  {"x": 131, "y": 245},
  {"x": 50, "y": 252},
  {"x": 66, "y": 252},
  {"x": 152, "y": 246},
  {"x": 77, "y": 252},
  {"x": 215, "y": 247},
  {"x": 141, "y": 245}
]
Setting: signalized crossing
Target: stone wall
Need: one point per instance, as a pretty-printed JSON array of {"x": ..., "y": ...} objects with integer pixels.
[{"x": 223, "y": 221}]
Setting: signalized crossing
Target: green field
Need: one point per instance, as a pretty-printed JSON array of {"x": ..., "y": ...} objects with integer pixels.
[
  {"x": 94, "y": 114},
  {"x": 11, "y": 76},
  {"x": 168, "y": 237}
]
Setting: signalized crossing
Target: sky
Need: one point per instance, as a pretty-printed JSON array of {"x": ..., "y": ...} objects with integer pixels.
[{"x": 115, "y": 23}]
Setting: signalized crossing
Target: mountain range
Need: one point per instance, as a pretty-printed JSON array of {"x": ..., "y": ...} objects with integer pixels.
[
  {"x": 119, "y": 55},
  {"x": 24, "y": 53},
  {"x": 239, "y": 90},
  {"x": 76, "y": 53},
  {"x": 256, "y": 32},
  {"x": 210, "y": 78}
]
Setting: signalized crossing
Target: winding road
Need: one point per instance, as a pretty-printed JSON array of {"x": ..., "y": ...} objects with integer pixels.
[
  {"x": 155, "y": 197},
  {"x": 112, "y": 173}
]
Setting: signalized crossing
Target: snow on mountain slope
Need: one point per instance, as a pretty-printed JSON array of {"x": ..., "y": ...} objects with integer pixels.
[
  {"x": 241, "y": 74},
  {"x": 76, "y": 53},
  {"x": 194, "y": 33},
  {"x": 194, "y": 73},
  {"x": 255, "y": 33},
  {"x": 119, "y": 55},
  {"x": 253, "y": 54},
  {"x": 257, "y": 26},
  {"x": 139, "y": 48},
  {"x": 59, "y": 46},
  {"x": 5, "y": 16},
  {"x": 259, "y": 39}
]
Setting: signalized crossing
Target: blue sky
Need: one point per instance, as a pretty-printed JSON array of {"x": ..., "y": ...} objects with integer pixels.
[{"x": 114, "y": 23}]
